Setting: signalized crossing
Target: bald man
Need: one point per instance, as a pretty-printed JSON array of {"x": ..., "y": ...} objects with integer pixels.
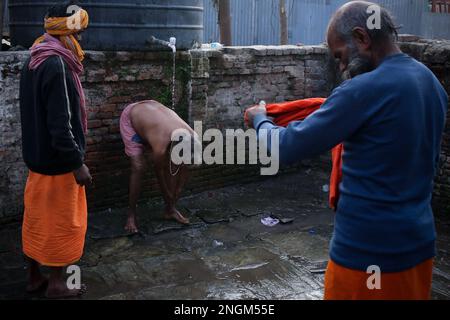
[
  {"x": 390, "y": 114},
  {"x": 150, "y": 125}
]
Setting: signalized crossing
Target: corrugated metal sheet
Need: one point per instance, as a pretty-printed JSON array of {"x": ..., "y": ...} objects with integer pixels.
[
  {"x": 254, "y": 21},
  {"x": 211, "y": 31},
  {"x": 266, "y": 21},
  {"x": 310, "y": 20},
  {"x": 436, "y": 25},
  {"x": 407, "y": 13},
  {"x": 257, "y": 21}
]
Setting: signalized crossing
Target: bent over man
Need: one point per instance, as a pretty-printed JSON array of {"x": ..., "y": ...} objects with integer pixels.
[{"x": 150, "y": 125}]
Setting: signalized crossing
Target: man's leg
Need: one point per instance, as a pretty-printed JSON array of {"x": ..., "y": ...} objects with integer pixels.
[
  {"x": 183, "y": 172},
  {"x": 57, "y": 286},
  {"x": 36, "y": 280},
  {"x": 178, "y": 177},
  {"x": 180, "y": 181},
  {"x": 168, "y": 184},
  {"x": 138, "y": 167}
]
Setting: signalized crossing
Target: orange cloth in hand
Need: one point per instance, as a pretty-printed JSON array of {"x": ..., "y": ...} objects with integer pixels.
[
  {"x": 55, "y": 219},
  {"x": 287, "y": 112}
]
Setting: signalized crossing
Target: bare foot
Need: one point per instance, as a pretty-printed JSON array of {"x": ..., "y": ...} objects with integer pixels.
[
  {"x": 131, "y": 225},
  {"x": 176, "y": 215},
  {"x": 37, "y": 285},
  {"x": 60, "y": 291}
]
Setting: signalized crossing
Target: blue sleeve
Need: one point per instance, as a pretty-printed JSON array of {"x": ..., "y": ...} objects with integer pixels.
[{"x": 338, "y": 118}]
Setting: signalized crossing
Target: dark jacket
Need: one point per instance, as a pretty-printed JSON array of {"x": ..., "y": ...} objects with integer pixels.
[{"x": 53, "y": 140}]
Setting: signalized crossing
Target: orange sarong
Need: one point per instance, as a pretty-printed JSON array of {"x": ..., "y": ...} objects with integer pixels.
[
  {"x": 55, "y": 219},
  {"x": 347, "y": 284},
  {"x": 287, "y": 112}
]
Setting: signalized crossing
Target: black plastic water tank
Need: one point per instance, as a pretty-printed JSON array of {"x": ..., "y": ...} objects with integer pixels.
[{"x": 116, "y": 25}]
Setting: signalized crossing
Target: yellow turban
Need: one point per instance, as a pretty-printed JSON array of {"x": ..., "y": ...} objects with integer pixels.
[{"x": 64, "y": 28}]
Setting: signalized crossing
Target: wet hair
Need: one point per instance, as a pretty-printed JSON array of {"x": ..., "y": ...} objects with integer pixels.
[
  {"x": 355, "y": 15},
  {"x": 61, "y": 10}
]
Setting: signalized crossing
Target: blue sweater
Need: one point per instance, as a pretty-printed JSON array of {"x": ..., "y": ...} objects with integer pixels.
[{"x": 391, "y": 121}]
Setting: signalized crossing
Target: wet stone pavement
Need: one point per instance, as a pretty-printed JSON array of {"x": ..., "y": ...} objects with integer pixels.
[{"x": 226, "y": 253}]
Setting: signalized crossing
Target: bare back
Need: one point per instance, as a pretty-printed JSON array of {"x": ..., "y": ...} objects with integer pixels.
[{"x": 155, "y": 123}]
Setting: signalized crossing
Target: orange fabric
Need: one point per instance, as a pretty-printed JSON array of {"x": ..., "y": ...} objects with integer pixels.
[
  {"x": 336, "y": 175},
  {"x": 287, "y": 112},
  {"x": 346, "y": 284},
  {"x": 55, "y": 219}
]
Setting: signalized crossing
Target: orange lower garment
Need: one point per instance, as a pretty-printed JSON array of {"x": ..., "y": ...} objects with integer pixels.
[
  {"x": 346, "y": 284},
  {"x": 55, "y": 219},
  {"x": 287, "y": 112}
]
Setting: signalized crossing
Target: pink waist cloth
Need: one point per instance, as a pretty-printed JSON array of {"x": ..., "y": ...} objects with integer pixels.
[{"x": 134, "y": 144}]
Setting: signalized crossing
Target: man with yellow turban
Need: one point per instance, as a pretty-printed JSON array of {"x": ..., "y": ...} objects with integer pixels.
[{"x": 54, "y": 125}]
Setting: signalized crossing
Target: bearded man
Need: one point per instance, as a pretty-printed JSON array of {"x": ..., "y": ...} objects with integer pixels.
[
  {"x": 54, "y": 125},
  {"x": 390, "y": 115}
]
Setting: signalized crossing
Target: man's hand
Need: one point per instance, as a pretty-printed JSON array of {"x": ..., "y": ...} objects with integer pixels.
[
  {"x": 252, "y": 112},
  {"x": 82, "y": 176}
]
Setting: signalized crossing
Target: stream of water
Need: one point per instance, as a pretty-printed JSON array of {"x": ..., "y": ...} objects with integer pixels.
[{"x": 173, "y": 79}]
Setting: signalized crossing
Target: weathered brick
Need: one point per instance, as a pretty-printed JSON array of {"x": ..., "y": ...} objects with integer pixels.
[
  {"x": 94, "y": 124},
  {"x": 220, "y": 86}
]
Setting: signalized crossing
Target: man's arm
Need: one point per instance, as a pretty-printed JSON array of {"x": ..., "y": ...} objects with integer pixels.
[
  {"x": 59, "y": 113},
  {"x": 339, "y": 117},
  {"x": 59, "y": 116}
]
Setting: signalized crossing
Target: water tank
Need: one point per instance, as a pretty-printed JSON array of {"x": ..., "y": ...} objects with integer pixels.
[{"x": 116, "y": 25}]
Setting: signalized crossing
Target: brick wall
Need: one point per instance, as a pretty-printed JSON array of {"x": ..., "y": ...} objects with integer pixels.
[
  {"x": 111, "y": 82},
  {"x": 212, "y": 86},
  {"x": 225, "y": 83},
  {"x": 12, "y": 170}
]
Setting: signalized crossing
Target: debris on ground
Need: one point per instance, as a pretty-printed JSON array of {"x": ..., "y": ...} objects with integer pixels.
[
  {"x": 283, "y": 220},
  {"x": 269, "y": 221},
  {"x": 217, "y": 244}
]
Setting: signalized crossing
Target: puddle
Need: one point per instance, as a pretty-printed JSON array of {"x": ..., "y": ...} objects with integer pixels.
[{"x": 171, "y": 261}]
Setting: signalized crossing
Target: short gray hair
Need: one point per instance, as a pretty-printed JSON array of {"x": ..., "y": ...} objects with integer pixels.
[{"x": 355, "y": 15}]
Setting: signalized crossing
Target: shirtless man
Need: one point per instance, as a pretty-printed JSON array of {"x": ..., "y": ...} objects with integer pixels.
[{"x": 149, "y": 124}]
